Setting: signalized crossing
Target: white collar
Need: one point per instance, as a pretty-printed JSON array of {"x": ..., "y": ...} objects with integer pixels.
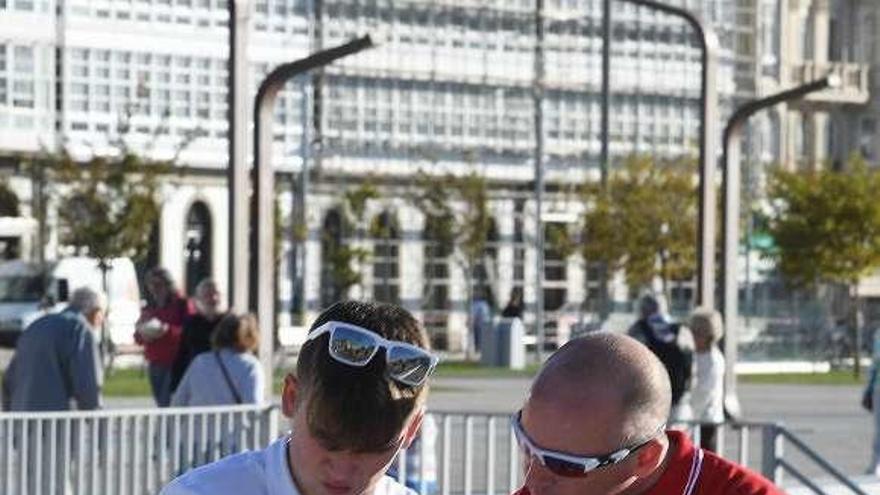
[{"x": 279, "y": 479}]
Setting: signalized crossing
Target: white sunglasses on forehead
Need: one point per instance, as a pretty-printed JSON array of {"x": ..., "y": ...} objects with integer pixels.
[{"x": 356, "y": 346}]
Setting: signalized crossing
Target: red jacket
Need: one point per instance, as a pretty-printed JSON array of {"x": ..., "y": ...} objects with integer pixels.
[
  {"x": 163, "y": 350},
  {"x": 697, "y": 472},
  {"x": 714, "y": 475}
]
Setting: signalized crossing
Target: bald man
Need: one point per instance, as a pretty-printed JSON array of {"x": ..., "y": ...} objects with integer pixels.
[{"x": 594, "y": 423}]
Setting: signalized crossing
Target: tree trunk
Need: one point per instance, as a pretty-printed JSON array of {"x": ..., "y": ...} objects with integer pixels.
[
  {"x": 470, "y": 340},
  {"x": 106, "y": 345},
  {"x": 857, "y": 329}
]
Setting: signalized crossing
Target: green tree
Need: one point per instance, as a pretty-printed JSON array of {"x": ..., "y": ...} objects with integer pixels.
[
  {"x": 343, "y": 259},
  {"x": 643, "y": 222},
  {"x": 104, "y": 203},
  {"x": 105, "y": 206},
  {"x": 826, "y": 228},
  {"x": 457, "y": 208}
]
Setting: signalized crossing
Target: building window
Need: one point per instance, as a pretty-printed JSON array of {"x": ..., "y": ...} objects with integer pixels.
[
  {"x": 198, "y": 245},
  {"x": 386, "y": 250},
  {"x": 436, "y": 283},
  {"x": 337, "y": 274}
]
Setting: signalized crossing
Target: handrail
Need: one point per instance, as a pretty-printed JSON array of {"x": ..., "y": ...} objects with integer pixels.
[
  {"x": 812, "y": 455},
  {"x": 121, "y": 413},
  {"x": 790, "y": 469},
  {"x": 480, "y": 440}
]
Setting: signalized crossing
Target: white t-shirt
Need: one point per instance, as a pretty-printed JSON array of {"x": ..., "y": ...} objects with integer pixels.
[
  {"x": 263, "y": 472},
  {"x": 708, "y": 394}
]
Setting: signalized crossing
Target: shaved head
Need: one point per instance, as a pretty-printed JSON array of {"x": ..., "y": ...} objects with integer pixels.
[{"x": 613, "y": 382}]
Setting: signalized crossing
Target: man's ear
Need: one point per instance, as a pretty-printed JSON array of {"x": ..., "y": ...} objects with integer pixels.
[
  {"x": 415, "y": 424},
  {"x": 289, "y": 395},
  {"x": 650, "y": 457}
]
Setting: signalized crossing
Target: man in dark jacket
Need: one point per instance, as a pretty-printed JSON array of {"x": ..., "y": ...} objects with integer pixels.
[{"x": 197, "y": 328}]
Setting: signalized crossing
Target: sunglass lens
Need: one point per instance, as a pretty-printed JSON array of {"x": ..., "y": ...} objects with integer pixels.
[
  {"x": 351, "y": 346},
  {"x": 408, "y": 365},
  {"x": 562, "y": 467}
]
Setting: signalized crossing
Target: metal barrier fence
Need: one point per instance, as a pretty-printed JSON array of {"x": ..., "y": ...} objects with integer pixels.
[
  {"x": 476, "y": 454},
  {"x": 122, "y": 452},
  {"x": 136, "y": 452}
]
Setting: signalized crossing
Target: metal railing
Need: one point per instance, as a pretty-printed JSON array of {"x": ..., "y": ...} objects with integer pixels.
[
  {"x": 122, "y": 452},
  {"x": 135, "y": 452},
  {"x": 774, "y": 463},
  {"x": 476, "y": 454}
]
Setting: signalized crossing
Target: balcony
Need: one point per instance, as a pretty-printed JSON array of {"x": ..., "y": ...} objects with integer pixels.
[{"x": 853, "y": 89}]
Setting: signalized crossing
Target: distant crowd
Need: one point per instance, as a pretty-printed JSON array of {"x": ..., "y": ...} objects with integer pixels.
[{"x": 196, "y": 353}]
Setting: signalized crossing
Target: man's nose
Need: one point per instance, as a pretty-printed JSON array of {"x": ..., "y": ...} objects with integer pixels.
[{"x": 342, "y": 465}]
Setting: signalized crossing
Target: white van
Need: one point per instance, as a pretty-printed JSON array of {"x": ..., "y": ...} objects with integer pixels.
[{"x": 29, "y": 290}]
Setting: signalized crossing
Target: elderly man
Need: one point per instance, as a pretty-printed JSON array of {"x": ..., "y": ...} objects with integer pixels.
[
  {"x": 57, "y": 359},
  {"x": 594, "y": 423},
  {"x": 198, "y": 328}
]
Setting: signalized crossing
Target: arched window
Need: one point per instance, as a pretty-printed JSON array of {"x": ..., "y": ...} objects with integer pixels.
[
  {"x": 555, "y": 270},
  {"x": 334, "y": 264},
  {"x": 10, "y": 247},
  {"x": 386, "y": 251},
  {"x": 435, "y": 296},
  {"x": 8, "y": 201},
  {"x": 197, "y": 245},
  {"x": 485, "y": 269}
]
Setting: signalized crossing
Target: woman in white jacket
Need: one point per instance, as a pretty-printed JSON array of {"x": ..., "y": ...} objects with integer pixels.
[{"x": 707, "y": 399}]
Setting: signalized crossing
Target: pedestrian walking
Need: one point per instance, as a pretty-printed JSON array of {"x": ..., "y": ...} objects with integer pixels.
[
  {"x": 198, "y": 328},
  {"x": 595, "y": 424},
  {"x": 707, "y": 399},
  {"x": 356, "y": 399},
  {"x": 673, "y": 344},
  {"x": 159, "y": 330},
  {"x": 56, "y": 362},
  {"x": 228, "y": 374}
]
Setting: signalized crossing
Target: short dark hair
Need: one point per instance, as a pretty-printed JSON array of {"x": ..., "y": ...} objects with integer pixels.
[
  {"x": 240, "y": 333},
  {"x": 164, "y": 275},
  {"x": 358, "y": 409}
]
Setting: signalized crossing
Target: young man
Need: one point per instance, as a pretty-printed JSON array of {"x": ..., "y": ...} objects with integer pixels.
[
  {"x": 594, "y": 424},
  {"x": 357, "y": 398}
]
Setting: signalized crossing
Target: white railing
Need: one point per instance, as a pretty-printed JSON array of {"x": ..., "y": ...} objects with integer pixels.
[
  {"x": 136, "y": 452},
  {"x": 122, "y": 452}
]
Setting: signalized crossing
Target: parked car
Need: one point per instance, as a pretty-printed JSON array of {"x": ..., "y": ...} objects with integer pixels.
[{"x": 29, "y": 290}]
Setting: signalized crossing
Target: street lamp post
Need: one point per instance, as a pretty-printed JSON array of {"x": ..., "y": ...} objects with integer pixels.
[
  {"x": 538, "y": 94},
  {"x": 708, "y": 117},
  {"x": 730, "y": 235},
  {"x": 237, "y": 96},
  {"x": 262, "y": 270}
]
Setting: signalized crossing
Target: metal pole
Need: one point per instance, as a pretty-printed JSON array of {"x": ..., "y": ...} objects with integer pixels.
[
  {"x": 302, "y": 201},
  {"x": 730, "y": 236},
  {"x": 708, "y": 120},
  {"x": 263, "y": 263},
  {"x": 539, "y": 179},
  {"x": 238, "y": 98},
  {"x": 604, "y": 309},
  {"x": 606, "y": 91}
]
